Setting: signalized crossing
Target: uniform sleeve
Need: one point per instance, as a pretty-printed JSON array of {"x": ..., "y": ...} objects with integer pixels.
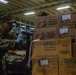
[
  {"x": 12, "y": 36},
  {"x": 7, "y": 44}
]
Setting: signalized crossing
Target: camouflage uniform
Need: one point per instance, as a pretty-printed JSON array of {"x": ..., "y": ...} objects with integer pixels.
[{"x": 7, "y": 42}]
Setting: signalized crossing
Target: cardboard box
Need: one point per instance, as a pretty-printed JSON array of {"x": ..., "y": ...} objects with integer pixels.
[
  {"x": 66, "y": 47},
  {"x": 55, "y": 47},
  {"x": 46, "y": 22},
  {"x": 50, "y": 69},
  {"x": 67, "y": 18},
  {"x": 45, "y": 48},
  {"x": 67, "y": 66},
  {"x": 46, "y": 33},
  {"x": 52, "y": 21},
  {"x": 67, "y": 31}
]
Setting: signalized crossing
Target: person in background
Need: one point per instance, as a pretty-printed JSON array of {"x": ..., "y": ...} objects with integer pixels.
[{"x": 21, "y": 41}]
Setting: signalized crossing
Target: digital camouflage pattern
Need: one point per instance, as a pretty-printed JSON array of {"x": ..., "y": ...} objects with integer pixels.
[{"x": 7, "y": 41}]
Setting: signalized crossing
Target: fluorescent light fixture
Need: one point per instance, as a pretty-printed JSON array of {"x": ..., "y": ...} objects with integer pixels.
[
  {"x": 64, "y": 7},
  {"x": 29, "y": 13},
  {"x": 3, "y": 1}
]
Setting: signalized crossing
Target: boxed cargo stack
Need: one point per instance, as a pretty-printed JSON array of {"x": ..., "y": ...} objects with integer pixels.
[
  {"x": 46, "y": 27},
  {"x": 45, "y": 66},
  {"x": 53, "y": 48},
  {"x": 67, "y": 19},
  {"x": 46, "y": 33},
  {"x": 46, "y": 22},
  {"x": 45, "y": 51}
]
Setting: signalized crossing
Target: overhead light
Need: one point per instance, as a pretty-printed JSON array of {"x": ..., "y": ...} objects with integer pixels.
[
  {"x": 64, "y": 7},
  {"x": 3, "y": 1},
  {"x": 29, "y": 13}
]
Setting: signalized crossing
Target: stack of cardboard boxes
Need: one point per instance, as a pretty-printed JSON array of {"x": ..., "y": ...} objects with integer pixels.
[
  {"x": 53, "y": 50},
  {"x": 46, "y": 27}
]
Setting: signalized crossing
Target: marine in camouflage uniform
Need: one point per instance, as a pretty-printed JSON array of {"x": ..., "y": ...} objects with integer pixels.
[{"x": 7, "y": 40}]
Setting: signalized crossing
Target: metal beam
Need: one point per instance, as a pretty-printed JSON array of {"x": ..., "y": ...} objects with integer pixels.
[
  {"x": 73, "y": 8},
  {"x": 55, "y": 12},
  {"x": 14, "y": 4},
  {"x": 26, "y": 2},
  {"x": 4, "y": 6},
  {"x": 51, "y": 13},
  {"x": 31, "y": 2},
  {"x": 19, "y": 3},
  {"x": 41, "y": 7},
  {"x": 37, "y": 1}
]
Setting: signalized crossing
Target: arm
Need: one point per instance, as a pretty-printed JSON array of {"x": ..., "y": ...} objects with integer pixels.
[{"x": 7, "y": 44}]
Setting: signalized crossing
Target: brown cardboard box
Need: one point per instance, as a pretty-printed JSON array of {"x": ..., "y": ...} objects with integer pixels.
[
  {"x": 46, "y": 22},
  {"x": 65, "y": 47},
  {"x": 46, "y": 33},
  {"x": 67, "y": 31},
  {"x": 50, "y": 69},
  {"x": 67, "y": 18},
  {"x": 54, "y": 47},
  {"x": 45, "y": 48},
  {"x": 67, "y": 66},
  {"x": 52, "y": 21}
]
